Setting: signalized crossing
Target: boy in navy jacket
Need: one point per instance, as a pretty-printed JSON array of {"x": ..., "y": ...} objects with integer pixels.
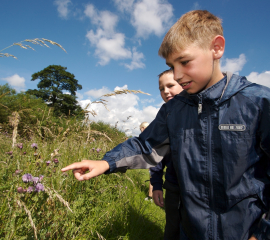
[{"x": 220, "y": 149}]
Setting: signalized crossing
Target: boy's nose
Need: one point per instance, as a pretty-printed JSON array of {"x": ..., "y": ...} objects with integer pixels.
[
  {"x": 178, "y": 74},
  {"x": 166, "y": 90}
]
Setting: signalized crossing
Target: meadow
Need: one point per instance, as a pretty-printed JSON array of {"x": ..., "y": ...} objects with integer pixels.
[{"x": 53, "y": 205}]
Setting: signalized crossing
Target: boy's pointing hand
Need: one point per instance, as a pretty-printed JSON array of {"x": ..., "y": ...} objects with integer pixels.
[{"x": 79, "y": 169}]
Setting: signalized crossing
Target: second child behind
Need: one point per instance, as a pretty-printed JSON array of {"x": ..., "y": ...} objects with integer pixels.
[{"x": 168, "y": 89}]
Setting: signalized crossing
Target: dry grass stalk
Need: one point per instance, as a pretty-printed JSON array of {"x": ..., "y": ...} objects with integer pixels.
[
  {"x": 49, "y": 191},
  {"x": 29, "y": 216},
  {"x": 65, "y": 134},
  {"x": 100, "y": 236},
  {"x": 101, "y": 134},
  {"x": 104, "y": 102},
  {"x": 62, "y": 200},
  {"x": 36, "y": 41},
  {"x": 14, "y": 120},
  {"x": 116, "y": 175},
  {"x": 129, "y": 180},
  {"x": 125, "y": 91}
]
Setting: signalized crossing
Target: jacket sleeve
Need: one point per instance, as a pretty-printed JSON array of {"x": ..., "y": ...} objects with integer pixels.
[
  {"x": 144, "y": 151},
  {"x": 156, "y": 176},
  {"x": 263, "y": 230}
]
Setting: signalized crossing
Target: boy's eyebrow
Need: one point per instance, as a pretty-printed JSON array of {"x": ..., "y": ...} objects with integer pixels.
[{"x": 177, "y": 59}]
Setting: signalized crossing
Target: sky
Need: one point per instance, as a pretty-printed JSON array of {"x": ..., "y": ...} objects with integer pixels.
[{"x": 113, "y": 45}]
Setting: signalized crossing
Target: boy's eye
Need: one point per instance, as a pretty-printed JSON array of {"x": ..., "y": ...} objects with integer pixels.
[
  {"x": 185, "y": 63},
  {"x": 161, "y": 89}
]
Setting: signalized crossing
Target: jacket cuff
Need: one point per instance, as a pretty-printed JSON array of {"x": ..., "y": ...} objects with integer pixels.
[
  {"x": 111, "y": 163},
  {"x": 157, "y": 186},
  {"x": 263, "y": 230}
]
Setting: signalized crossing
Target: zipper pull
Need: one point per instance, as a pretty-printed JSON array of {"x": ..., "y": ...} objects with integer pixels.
[{"x": 200, "y": 105}]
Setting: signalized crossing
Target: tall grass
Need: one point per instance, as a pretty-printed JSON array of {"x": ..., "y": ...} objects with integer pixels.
[{"x": 107, "y": 207}]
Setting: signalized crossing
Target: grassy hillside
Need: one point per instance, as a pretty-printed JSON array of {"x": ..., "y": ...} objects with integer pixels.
[{"x": 107, "y": 207}]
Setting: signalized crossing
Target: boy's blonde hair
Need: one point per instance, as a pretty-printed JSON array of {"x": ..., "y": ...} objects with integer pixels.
[{"x": 198, "y": 26}]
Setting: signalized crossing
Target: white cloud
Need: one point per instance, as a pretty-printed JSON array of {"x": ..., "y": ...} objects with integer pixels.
[
  {"x": 96, "y": 93},
  {"x": 109, "y": 43},
  {"x": 123, "y": 111},
  {"x": 233, "y": 65},
  {"x": 15, "y": 81},
  {"x": 152, "y": 17},
  {"x": 136, "y": 62},
  {"x": 62, "y": 7},
  {"x": 260, "y": 78}
]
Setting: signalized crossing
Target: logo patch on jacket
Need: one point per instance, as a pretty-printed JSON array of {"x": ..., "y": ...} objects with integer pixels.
[{"x": 232, "y": 127}]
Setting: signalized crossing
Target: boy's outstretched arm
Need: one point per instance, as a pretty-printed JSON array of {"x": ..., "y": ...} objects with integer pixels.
[
  {"x": 80, "y": 169},
  {"x": 141, "y": 152}
]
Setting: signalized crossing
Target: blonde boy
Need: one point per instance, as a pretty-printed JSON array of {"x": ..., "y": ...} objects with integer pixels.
[{"x": 220, "y": 148}]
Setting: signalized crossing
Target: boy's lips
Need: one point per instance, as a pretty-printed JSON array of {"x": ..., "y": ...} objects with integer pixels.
[{"x": 185, "y": 85}]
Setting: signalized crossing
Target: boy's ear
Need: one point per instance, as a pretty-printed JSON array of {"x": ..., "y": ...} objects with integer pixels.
[{"x": 218, "y": 46}]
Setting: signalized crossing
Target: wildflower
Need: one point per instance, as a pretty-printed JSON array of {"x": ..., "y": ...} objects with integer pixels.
[
  {"x": 20, "y": 145},
  {"x": 40, "y": 178},
  {"x": 39, "y": 187},
  {"x": 24, "y": 153},
  {"x": 35, "y": 154},
  {"x": 20, "y": 190},
  {"x": 35, "y": 180},
  {"x": 9, "y": 153},
  {"x": 30, "y": 189},
  {"x": 55, "y": 160},
  {"x": 48, "y": 163},
  {"x": 126, "y": 187},
  {"x": 98, "y": 150},
  {"x": 34, "y": 145},
  {"x": 27, "y": 178},
  {"x": 17, "y": 172},
  {"x": 93, "y": 149}
]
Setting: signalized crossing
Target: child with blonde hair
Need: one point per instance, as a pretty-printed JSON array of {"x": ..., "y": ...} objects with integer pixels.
[{"x": 218, "y": 133}]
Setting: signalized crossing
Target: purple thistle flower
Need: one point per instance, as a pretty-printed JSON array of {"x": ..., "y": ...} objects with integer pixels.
[
  {"x": 48, "y": 163},
  {"x": 93, "y": 149},
  {"x": 9, "y": 153},
  {"x": 55, "y": 160},
  {"x": 39, "y": 187},
  {"x": 40, "y": 178},
  {"x": 34, "y": 145},
  {"x": 35, "y": 180},
  {"x": 27, "y": 178},
  {"x": 20, "y": 145},
  {"x": 20, "y": 190},
  {"x": 24, "y": 153},
  {"x": 98, "y": 150},
  {"x": 24, "y": 190},
  {"x": 30, "y": 189}
]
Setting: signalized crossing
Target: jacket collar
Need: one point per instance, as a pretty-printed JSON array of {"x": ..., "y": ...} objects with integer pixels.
[{"x": 219, "y": 92}]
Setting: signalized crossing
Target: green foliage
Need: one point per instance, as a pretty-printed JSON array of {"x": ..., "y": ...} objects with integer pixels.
[
  {"x": 108, "y": 207},
  {"x": 54, "y": 84}
]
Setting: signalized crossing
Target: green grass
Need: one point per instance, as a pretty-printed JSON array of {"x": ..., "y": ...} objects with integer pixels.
[{"x": 108, "y": 207}]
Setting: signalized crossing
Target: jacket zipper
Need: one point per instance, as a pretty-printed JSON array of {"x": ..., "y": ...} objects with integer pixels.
[
  {"x": 210, "y": 161},
  {"x": 200, "y": 104}
]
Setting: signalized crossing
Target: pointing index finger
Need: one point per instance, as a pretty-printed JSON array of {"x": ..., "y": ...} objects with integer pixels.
[{"x": 72, "y": 166}]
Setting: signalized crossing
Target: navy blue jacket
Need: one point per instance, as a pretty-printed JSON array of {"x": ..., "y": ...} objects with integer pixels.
[
  {"x": 156, "y": 173},
  {"x": 221, "y": 153}
]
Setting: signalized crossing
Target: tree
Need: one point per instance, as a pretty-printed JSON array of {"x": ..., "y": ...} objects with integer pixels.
[{"x": 57, "y": 87}]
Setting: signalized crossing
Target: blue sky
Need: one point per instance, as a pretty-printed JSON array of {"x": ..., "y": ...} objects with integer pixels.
[{"x": 113, "y": 44}]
